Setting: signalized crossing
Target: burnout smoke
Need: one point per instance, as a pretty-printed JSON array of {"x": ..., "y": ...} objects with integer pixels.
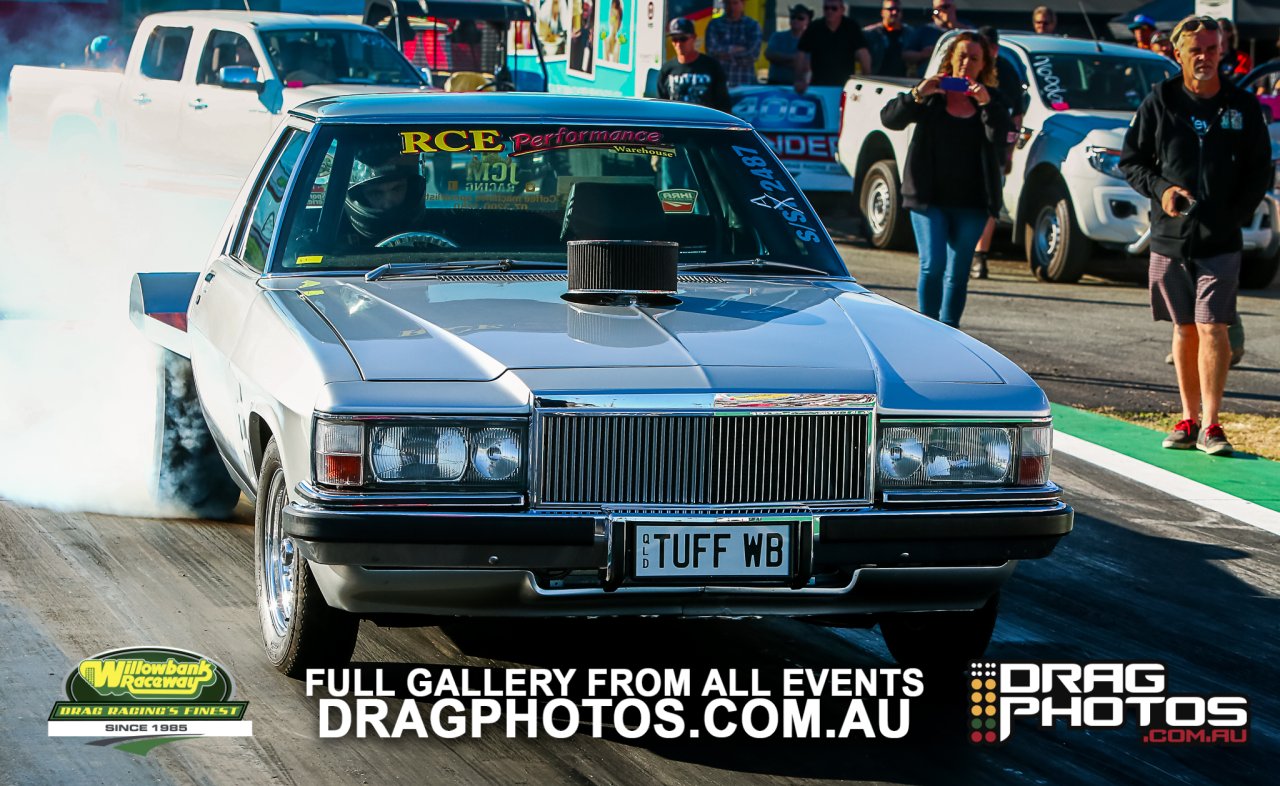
[{"x": 78, "y": 383}]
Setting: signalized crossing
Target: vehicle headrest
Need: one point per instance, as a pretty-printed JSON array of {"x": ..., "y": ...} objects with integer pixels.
[{"x": 612, "y": 211}]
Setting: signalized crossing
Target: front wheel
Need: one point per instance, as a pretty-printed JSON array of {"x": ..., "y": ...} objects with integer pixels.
[
  {"x": 301, "y": 631},
  {"x": 940, "y": 638},
  {"x": 1056, "y": 248},
  {"x": 880, "y": 199}
]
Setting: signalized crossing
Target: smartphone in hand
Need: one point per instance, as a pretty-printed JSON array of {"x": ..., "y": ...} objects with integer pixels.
[
  {"x": 954, "y": 84},
  {"x": 1184, "y": 205}
]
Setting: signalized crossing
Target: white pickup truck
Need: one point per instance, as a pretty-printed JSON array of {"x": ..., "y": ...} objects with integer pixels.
[
  {"x": 203, "y": 90},
  {"x": 1065, "y": 198}
]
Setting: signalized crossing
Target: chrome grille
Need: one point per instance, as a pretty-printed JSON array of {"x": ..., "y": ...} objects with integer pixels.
[{"x": 702, "y": 458}]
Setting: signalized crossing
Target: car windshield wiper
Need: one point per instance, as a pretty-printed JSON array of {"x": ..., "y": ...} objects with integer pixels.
[
  {"x": 753, "y": 263},
  {"x": 410, "y": 269}
]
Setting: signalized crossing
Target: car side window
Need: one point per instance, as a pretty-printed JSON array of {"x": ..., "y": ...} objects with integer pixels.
[
  {"x": 224, "y": 49},
  {"x": 254, "y": 245},
  {"x": 166, "y": 53}
]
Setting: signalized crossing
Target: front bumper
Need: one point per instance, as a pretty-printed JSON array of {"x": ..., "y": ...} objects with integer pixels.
[{"x": 563, "y": 564}]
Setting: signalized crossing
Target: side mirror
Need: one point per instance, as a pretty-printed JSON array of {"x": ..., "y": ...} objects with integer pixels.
[{"x": 239, "y": 78}]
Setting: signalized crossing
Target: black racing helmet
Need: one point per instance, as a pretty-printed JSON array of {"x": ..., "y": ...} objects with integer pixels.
[{"x": 379, "y": 165}]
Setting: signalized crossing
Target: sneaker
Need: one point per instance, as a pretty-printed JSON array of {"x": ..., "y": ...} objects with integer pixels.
[
  {"x": 979, "y": 267},
  {"x": 1214, "y": 442},
  {"x": 1169, "y": 358},
  {"x": 1183, "y": 436}
]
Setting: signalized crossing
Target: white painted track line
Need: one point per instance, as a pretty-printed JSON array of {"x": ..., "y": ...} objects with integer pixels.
[{"x": 1169, "y": 482}]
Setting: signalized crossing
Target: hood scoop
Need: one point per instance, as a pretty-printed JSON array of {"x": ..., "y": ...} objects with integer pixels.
[{"x": 622, "y": 272}]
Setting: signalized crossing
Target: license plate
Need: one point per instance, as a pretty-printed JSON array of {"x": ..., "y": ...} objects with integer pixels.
[{"x": 719, "y": 551}]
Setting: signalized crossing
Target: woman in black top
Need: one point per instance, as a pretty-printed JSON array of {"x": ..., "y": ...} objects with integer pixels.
[{"x": 951, "y": 179}]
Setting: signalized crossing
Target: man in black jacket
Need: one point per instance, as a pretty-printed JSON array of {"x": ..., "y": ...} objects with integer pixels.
[{"x": 1199, "y": 149}]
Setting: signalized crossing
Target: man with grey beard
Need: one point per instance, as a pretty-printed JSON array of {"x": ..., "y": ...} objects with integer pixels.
[{"x": 1199, "y": 149}]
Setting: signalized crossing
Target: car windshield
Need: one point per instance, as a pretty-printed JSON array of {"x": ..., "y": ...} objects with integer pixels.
[
  {"x": 337, "y": 56},
  {"x": 367, "y": 195},
  {"x": 1097, "y": 82}
]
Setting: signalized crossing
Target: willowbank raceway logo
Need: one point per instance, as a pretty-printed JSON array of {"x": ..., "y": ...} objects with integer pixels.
[
  {"x": 1100, "y": 695},
  {"x": 139, "y": 697}
]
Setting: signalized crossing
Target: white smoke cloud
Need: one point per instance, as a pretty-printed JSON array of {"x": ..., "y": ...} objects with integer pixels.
[{"x": 77, "y": 381}]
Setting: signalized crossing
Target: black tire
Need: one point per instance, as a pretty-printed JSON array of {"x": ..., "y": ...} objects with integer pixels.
[
  {"x": 189, "y": 470},
  {"x": 1056, "y": 249},
  {"x": 299, "y": 629},
  {"x": 1258, "y": 271},
  {"x": 940, "y": 638},
  {"x": 880, "y": 202}
]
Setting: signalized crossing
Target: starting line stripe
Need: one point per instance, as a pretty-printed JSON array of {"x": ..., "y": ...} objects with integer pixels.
[{"x": 1169, "y": 482}]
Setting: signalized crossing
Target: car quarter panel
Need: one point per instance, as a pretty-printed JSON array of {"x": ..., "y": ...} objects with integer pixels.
[{"x": 284, "y": 357}]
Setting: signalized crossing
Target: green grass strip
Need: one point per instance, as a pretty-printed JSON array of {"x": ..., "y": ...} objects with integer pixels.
[{"x": 1243, "y": 475}]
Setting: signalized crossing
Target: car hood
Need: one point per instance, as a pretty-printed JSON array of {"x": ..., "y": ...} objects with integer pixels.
[
  {"x": 1075, "y": 125},
  {"x": 804, "y": 335}
]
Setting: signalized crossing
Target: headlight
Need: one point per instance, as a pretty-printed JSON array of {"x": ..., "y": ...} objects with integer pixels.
[
  {"x": 425, "y": 452},
  {"x": 926, "y": 456},
  {"x": 495, "y": 453},
  {"x": 1106, "y": 160},
  {"x": 901, "y": 455}
]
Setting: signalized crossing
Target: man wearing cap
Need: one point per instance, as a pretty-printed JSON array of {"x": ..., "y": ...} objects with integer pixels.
[
  {"x": 1198, "y": 147},
  {"x": 1143, "y": 28},
  {"x": 831, "y": 49},
  {"x": 734, "y": 40},
  {"x": 1162, "y": 44},
  {"x": 781, "y": 50},
  {"x": 691, "y": 76},
  {"x": 885, "y": 40}
]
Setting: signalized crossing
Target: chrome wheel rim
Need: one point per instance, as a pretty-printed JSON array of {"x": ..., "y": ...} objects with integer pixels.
[
  {"x": 279, "y": 560},
  {"x": 1048, "y": 237},
  {"x": 877, "y": 207}
]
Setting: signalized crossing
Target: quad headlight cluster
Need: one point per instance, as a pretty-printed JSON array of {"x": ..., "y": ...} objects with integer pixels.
[
  {"x": 948, "y": 456},
  {"x": 425, "y": 453}
]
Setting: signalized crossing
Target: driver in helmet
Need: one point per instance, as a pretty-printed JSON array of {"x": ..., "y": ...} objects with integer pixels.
[{"x": 385, "y": 197}]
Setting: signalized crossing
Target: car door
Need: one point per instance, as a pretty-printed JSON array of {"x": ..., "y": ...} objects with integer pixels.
[
  {"x": 225, "y": 293},
  {"x": 225, "y": 128},
  {"x": 152, "y": 98}
]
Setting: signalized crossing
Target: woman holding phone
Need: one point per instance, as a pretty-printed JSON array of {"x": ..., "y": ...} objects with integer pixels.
[{"x": 951, "y": 179}]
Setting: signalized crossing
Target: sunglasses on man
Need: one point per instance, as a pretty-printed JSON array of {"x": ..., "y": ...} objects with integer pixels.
[
  {"x": 1194, "y": 25},
  {"x": 946, "y": 7},
  {"x": 678, "y": 39}
]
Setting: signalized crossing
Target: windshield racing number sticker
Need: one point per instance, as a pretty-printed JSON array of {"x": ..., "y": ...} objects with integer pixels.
[
  {"x": 678, "y": 200},
  {"x": 621, "y": 140},
  {"x": 1050, "y": 84},
  {"x": 759, "y": 168},
  {"x": 452, "y": 140}
]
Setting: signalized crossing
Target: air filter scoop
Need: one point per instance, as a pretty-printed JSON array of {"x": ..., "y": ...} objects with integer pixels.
[{"x": 601, "y": 271}]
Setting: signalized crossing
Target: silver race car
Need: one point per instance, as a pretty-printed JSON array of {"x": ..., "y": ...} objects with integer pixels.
[{"x": 533, "y": 355}]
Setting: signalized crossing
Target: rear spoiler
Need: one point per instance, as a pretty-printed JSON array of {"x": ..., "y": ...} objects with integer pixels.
[{"x": 158, "y": 307}]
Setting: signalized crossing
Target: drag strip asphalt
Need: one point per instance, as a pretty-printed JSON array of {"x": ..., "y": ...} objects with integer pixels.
[{"x": 1144, "y": 576}]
